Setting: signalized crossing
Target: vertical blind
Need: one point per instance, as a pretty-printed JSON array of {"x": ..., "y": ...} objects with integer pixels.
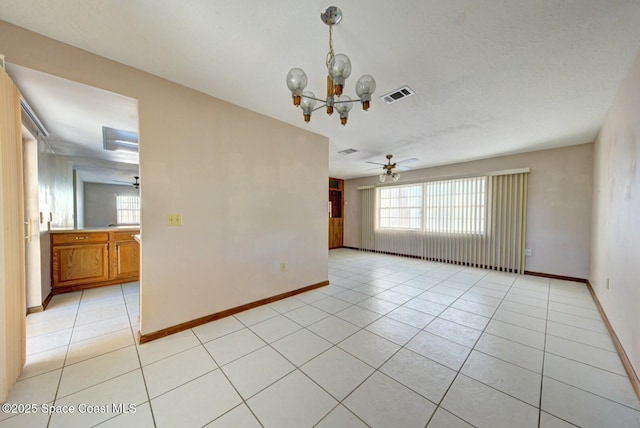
[{"x": 475, "y": 221}]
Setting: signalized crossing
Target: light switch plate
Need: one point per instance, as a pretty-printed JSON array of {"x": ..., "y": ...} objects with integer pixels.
[{"x": 174, "y": 219}]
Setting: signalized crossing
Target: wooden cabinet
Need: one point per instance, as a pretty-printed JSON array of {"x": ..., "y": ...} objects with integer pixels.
[
  {"x": 124, "y": 256},
  {"x": 336, "y": 205},
  {"x": 87, "y": 259},
  {"x": 76, "y": 264}
]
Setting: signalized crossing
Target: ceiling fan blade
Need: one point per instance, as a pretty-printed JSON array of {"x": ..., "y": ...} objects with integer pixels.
[
  {"x": 373, "y": 169},
  {"x": 411, "y": 160},
  {"x": 376, "y": 163}
]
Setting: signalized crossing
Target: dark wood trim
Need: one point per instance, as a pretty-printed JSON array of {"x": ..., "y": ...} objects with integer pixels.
[
  {"x": 631, "y": 373},
  {"x": 78, "y": 287},
  {"x": 35, "y": 309},
  {"x": 554, "y": 276},
  {"x": 42, "y": 307},
  {"x": 351, "y": 248},
  {"x": 144, "y": 338},
  {"x": 47, "y": 301}
]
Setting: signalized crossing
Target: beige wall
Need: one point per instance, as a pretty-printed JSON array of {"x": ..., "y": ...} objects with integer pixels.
[
  {"x": 559, "y": 204},
  {"x": 100, "y": 202},
  {"x": 251, "y": 190},
  {"x": 616, "y": 219}
]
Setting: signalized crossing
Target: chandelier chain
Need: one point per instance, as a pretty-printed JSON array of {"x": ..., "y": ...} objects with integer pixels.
[{"x": 330, "y": 54}]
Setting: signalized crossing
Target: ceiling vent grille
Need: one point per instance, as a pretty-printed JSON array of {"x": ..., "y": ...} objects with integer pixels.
[
  {"x": 397, "y": 95},
  {"x": 347, "y": 151}
]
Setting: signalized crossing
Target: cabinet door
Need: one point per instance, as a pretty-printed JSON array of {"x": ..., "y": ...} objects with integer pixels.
[
  {"x": 80, "y": 264},
  {"x": 335, "y": 232},
  {"x": 125, "y": 259}
]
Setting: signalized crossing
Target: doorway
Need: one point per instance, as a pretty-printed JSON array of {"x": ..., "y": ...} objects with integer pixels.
[
  {"x": 67, "y": 152},
  {"x": 33, "y": 266}
]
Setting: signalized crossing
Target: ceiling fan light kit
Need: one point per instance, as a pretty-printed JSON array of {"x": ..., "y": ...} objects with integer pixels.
[
  {"x": 394, "y": 175},
  {"x": 388, "y": 168},
  {"x": 338, "y": 69}
]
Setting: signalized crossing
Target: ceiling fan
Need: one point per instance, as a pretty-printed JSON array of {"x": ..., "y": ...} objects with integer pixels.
[
  {"x": 135, "y": 184},
  {"x": 389, "y": 167}
]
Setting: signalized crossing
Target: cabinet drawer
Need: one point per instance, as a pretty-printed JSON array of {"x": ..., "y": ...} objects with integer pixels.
[
  {"x": 123, "y": 236},
  {"x": 77, "y": 238}
]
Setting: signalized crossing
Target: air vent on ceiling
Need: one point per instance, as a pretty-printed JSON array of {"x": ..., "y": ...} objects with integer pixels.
[
  {"x": 119, "y": 140},
  {"x": 347, "y": 151},
  {"x": 397, "y": 95}
]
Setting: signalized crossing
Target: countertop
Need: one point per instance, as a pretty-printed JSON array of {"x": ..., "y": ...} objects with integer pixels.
[{"x": 98, "y": 229}]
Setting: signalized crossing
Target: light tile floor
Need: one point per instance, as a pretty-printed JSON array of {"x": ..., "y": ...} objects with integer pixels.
[{"x": 392, "y": 342}]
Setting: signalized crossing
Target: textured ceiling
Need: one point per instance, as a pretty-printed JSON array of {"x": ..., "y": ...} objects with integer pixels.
[{"x": 491, "y": 78}]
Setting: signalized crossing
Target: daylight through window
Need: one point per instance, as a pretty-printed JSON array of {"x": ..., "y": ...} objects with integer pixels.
[
  {"x": 401, "y": 207},
  {"x": 447, "y": 206},
  {"x": 128, "y": 209}
]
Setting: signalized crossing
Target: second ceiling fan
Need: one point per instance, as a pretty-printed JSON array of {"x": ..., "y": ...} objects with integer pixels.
[{"x": 389, "y": 167}]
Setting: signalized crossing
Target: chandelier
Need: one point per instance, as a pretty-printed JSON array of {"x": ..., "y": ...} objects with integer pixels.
[{"x": 339, "y": 68}]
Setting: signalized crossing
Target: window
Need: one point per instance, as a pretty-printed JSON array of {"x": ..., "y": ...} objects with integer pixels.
[
  {"x": 128, "y": 209},
  {"x": 400, "y": 207},
  {"x": 448, "y": 206}
]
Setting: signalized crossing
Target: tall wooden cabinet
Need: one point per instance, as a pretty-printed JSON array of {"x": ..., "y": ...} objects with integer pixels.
[
  {"x": 86, "y": 259},
  {"x": 336, "y": 208}
]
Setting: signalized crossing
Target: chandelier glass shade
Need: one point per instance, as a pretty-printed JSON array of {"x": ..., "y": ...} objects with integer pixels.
[{"x": 338, "y": 70}]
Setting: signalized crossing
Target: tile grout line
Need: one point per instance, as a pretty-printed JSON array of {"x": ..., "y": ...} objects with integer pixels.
[
  {"x": 483, "y": 331},
  {"x": 436, "y": 317},
  {"x": 144, "y": 379},
  {"x": 243, "y": 401},
  {"x": 333, "y": 345},
  {"x": 64, "y": 362},
  {"x": 439, "y": 403},
  {"x": 544, "y": 356}
]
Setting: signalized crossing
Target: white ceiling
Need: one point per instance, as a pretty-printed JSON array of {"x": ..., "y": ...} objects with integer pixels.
[
  {"x": 491, "y": 78},
  {"x": 74, "y": 114}
]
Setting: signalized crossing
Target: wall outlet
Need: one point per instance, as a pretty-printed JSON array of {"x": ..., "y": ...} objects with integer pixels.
[
  {"x": 174, "y": 219},
  {"x": 283, "y": 267},
  {"x": 528, "y": 252}
]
